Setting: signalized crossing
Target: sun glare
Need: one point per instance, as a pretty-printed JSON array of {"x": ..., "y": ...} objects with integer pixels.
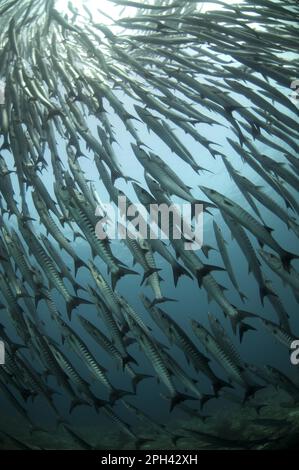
[
  {"x": 103, "y": 12},
  {"x": 107, "y": 11}
]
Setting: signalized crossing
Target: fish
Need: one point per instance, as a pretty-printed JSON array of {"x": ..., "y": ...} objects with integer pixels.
[
  {"x": 99, "y": 372},
  {"x": 245, "y": 244},
  {"x": 178, "y": 336},
  {"x": 262, "y": 232},
  {"x": 292, "y": 277},
  {"x": 279, "y": 333},
  {"x": 224, "y": 353},
  {"x": 223, "y": 250}
]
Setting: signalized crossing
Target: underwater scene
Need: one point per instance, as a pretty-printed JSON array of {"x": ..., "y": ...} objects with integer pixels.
[{"x": 149, "y": 178}]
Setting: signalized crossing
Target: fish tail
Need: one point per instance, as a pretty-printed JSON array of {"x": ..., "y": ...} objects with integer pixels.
[
  {"x": 286, "y": 259},
  {"x": 179, "y": 398},
  {"x": 206, "y": 249},
  {"x": 160, "y": 300},
  {"x": 118, "y": 394},
  {"x": 98, "y": 403},
  {"x": 127, "y": 360},
  {"x": 178, "y": 270},
  {"x": 218, "y": 384},
  {"x": 5, "y": 146},
  {"x": 77, "y": 287},
  {"x": 204, "y": 399},
  {"x": 116, "y": 275},
  {"x": 244, "y": 327},
  {"x": 78, "y": 263},
  {"x": 73, "y": 303},
  {"x": 205, "y": 206},
  {"x": 77, "y": 402},
  {"x": 237, "y": 320},
  {"x": 148, "y": 273},
  {"x": 40, "y": 296},
  {"x": 264, "y": 291},
  {"x": 138, "y": 378},
  {"x": 27, "y": 394},
  {"x": 251, "y": 390}
]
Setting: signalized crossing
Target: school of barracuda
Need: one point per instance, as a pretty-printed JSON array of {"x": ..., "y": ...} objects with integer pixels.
[{"x": 59, "y": 68}]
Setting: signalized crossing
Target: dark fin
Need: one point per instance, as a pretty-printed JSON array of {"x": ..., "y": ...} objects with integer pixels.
[
  {"x": 78, "y": 235},
  {"x": 77, "y": 287},
  {"x": 205, "y": 205},
  {"x": 219, "y": 384},
  {"x": 264, "y": 291},
  {"x": 115, "y": 276},
  {"x": 204, "y": 399},
  {"x": 138, "y": 378},
  {"x": 118, "y": 394},
  {"x": 251, "y": 390},
  {"x": 141, "y": 441},
  {"x": 236, "y": 319},
  {"x": 124, "y": 329},
  {"x": 206, "y": 249},
  {"x": 243, "y": 328},
  {"x": 98, "y": 404},
  {"x": 179, "y": 398},
  {"x": 27, "y": 394},
  {"x": 78, "y": 263},
  {"x": 5, "y": 146},
  {"x": 129, "y": 341},
  {"x": 73, "y": 303},
  {"x": 286, "y": 259},
  {"x": 77, "y": 402},
  {"x": 269, "y": 229},
  {"x": 242, "y": 138},
  {"x": 201, "y": 273},
  {"x": 161, "y": 300},
  {"x": 127, "y": 360},
  {"x": 148, "y": 273},
  {"x": 128, "y": 179},
  {"x": 40, "y": 296},
  {"x": 178, "y": 271}
]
